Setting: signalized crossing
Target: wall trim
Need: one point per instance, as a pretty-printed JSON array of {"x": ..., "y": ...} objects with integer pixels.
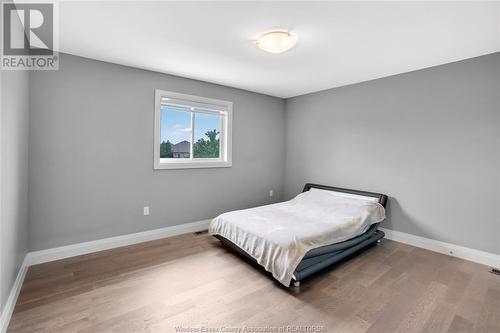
[
  {"x": 462, "y": 252},
  {"x": 8, "y": 309},
  {"x": 39, "y": 257}
]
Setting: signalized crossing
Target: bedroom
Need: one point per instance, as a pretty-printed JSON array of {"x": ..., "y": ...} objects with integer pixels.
[{"x": 146, "y": 123}]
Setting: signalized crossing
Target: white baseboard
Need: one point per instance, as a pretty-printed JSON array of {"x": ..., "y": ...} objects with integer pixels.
[
  {"x": 8, "y": 309},
  {"x": 482, "y": 257},
  {"x": 39, "y": 257}
]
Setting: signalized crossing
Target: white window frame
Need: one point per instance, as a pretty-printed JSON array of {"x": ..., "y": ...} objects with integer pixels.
[{"x": 224, "y": 107}]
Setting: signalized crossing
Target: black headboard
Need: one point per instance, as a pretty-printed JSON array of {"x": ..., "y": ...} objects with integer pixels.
[{"x": 382, "y": 198}]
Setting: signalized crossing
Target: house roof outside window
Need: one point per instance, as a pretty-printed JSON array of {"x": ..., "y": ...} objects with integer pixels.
[{"x": 181, "y": 147}]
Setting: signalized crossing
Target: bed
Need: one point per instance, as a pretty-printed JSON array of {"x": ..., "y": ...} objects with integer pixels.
[{"x": 298, "y": 238}]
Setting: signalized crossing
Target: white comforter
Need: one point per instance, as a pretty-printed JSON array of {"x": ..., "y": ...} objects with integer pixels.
[{"x": 279, "y": 235}]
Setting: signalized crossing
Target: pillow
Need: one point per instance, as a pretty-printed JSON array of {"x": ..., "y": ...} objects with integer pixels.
[{"x": 344, "y": 195}]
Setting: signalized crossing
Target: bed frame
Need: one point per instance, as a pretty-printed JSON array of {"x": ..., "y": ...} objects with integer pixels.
[{"x": 320, "y": 258}]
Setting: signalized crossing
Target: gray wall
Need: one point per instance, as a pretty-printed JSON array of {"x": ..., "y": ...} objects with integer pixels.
[
  {"x": 14, "y": 119},
  {"x": 430, "y": 139},
  {"x": 14, "y": 177},
  {"x": 91, "y": 154}
]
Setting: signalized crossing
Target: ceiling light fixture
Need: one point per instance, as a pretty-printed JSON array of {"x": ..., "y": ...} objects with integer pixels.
[{"x": 276, "y": 41}]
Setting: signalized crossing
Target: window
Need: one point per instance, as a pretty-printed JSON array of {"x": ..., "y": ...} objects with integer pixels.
[{"x": 191, "y": 131}]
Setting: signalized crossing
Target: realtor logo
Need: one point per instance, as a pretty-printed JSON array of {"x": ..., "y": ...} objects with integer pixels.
[{"x": 29, "y": 36}]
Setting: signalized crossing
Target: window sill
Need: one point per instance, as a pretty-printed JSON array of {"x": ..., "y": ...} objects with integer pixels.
[{"x": 192, "y": 165}]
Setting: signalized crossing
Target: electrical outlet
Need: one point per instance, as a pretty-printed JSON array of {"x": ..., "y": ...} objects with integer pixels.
[
  {"x": 271, "y": 193},
  {"x": 146, "y": 210}
]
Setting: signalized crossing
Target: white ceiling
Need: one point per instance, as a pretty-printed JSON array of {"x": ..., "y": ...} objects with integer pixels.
[{"x": 340, "y": 43}]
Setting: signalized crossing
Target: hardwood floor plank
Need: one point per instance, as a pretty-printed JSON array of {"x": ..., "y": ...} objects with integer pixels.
[
  {"x": 489, "y": 318},
  {"x": 460, "y": 325},
  {"x": 193, "y": 281}
]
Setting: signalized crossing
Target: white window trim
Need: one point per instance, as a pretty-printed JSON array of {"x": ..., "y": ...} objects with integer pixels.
[{"x": 226, "y": 131}]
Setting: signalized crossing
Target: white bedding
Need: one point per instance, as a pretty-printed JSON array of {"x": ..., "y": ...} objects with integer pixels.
[{"x": 279, "y": 235}]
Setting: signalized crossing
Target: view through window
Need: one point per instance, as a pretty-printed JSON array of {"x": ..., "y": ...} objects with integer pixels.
[
  {"x": 177, "y": 133},
  {"x": 192, "y": 131}
]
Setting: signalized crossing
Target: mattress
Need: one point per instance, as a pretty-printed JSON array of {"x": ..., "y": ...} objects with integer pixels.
[{"x": 278, "y": 236}]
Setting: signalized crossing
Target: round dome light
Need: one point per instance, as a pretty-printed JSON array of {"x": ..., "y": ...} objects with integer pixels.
[{"x": 276, "y": 41}]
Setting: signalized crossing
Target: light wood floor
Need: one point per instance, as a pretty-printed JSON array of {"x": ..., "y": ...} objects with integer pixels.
[{"x": 191, "y": 281}]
